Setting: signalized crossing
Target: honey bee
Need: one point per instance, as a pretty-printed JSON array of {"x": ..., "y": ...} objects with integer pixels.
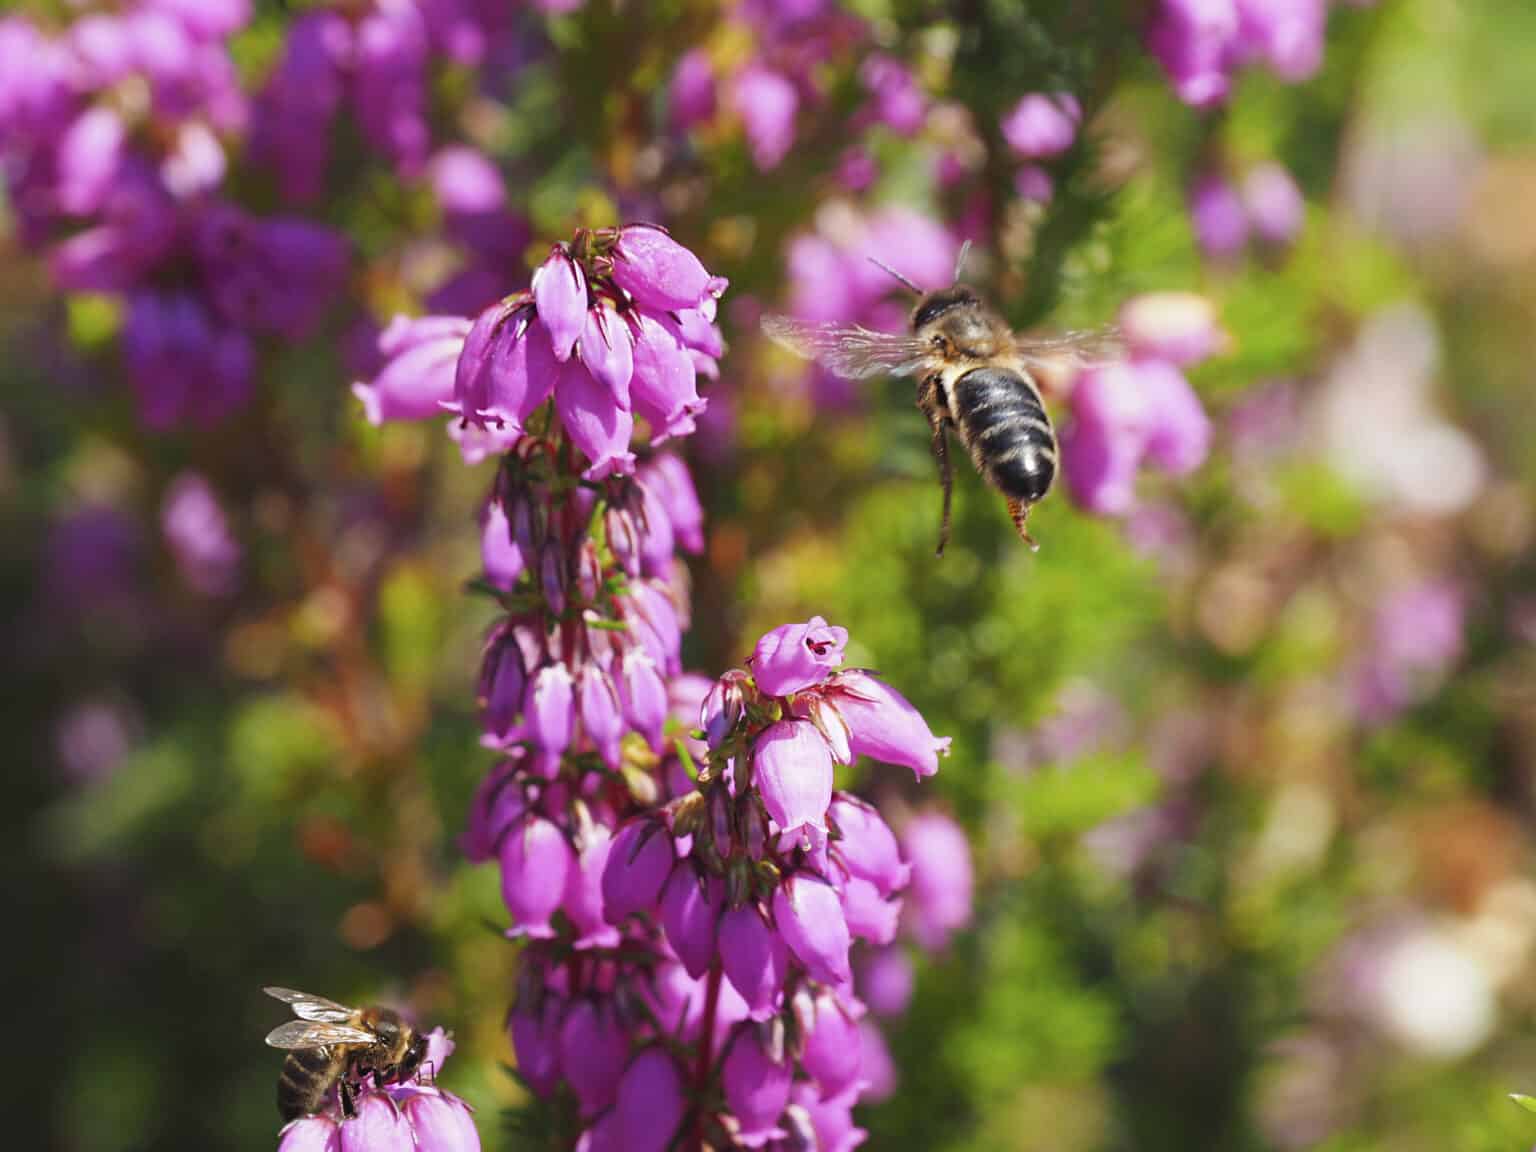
[
  {"x": 975, "y": 375},
  {"x": 333, "y": 1045}
]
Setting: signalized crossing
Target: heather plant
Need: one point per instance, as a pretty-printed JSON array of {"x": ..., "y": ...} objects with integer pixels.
[{"x": 431, "y": 590}]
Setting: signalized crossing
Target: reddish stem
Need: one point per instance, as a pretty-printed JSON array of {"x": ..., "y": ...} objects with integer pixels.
[{"x": 706, "y": 1042}]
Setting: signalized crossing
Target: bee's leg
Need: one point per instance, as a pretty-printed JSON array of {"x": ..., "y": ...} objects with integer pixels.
[
  {"x": 1019, "y": 510},
  {"x": 929, "y": 401},
  {"x": 348, "y": 1108}
]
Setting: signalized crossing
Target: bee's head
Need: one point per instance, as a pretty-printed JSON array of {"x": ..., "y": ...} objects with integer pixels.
[
  {"x": 936, "y": 304},
  {"x": 411, "y": 1062}
]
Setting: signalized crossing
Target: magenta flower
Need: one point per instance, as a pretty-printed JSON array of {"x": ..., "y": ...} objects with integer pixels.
[
  {"x": 377, "y": 1127},
  {"x": 664, "y": 386},
  {"x": 182, "y": 364},
  {"x": 866, "y": 846},
  {"x": 560, "y": 296},
  {"x": 440, "y": 1122},
  {"x": 598, "y": 708},
  {"x": 809, "y": 916},
  {"x": 796, "y": 656},
  {"x": 690, "y": 911},
  {"x": 1286, "y": 34},
  {"x": 535, "y": 1027},
  {"x": 667, "y": 477},
  {"x": 643, "y": 696},
  {"x": 691, "y": 96},
  {"x": 868, "y": 914},
  {"x": 767, "y": 104},
  {"x": 1274, "y": 204},
  {"x": 1179, "y": 437},
  {"x": 831, "y": 1119},
  {"x": 1179, "y": 327},
  {"x": 885, "y": 981},
  {"x": 638, "y": 865},
  {"x": 833, "y": 1055},
  {"x": 1193, "y": 40},
  {"x": 504, "y": 549},
  {"x": 939, "y": 898},
  {"x": 1218, "y": 216},
  {"x": 536, "y": 861},
  {"x": 607, "y": 348},
  {"x": 597, "y": 425},
  {"x": 753, "y": 958},
  {"x": 792, "y": 768},
  {"x": 418, "y": 376},
  {"x": 658, "y": 272},
  {"x": 650, "y": 1104},
  {"x": 884, "y": 726},
  {"x": 756, "y": 1088},
  {"x": 593, "y": 1052},
  {"x": 582, "y": 900},
  {"x": 311, "y": 1134},
  {"x": 1043, "y": 124},
  {"x": 550, "y": 711}
]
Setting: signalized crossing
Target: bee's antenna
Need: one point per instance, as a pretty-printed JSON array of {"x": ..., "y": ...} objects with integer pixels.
[
  {"x": 897, "y": 275},
  {"x": 965, "y": 250}
]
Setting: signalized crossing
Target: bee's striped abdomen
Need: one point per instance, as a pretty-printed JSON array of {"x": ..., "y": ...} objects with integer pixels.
[
  {"x": 1006, "y": 431},
  {"x": 306, "y": 1077}
]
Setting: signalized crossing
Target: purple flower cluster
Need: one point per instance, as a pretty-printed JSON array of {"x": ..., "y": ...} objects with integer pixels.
[
  {"x": 618, "y": 324},
  {"x": 1266, "y": 207},
  {"x": 1141, "y": 410},
  {"x": 412, "y": 1117},
  {"x": 1040, "y": 126},
  {"x": 766, "y": 93},
  {"x": 1202, "y": 44},
  {"x": 112, "y": 146},
  {"x": 688, "y": 966}
]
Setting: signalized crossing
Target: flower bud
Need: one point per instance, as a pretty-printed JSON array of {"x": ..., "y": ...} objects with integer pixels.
[
  {"x": 582, "y": 901},
  {"x": 664, "y": 387},
  {"x": 598, "y": 705},
  {"x": 595, "y": 422},
  {"x": 644, "y": 696},
  {"x": 831, "y": 1119},
  {"x": 796, "y": 656},
  {"x": 792, "y": 769},
  {"x": 650, "y": 1103},
  {"x": 377, "y": 1127},
  {"x": 868, "y": 914},
  {"x": 1042, "y": 124},
  {"x": 832, "y": 1054},
  {"x": 560, "y": 295},
  {"x": 867, "y": 846},
  {"x": 809, "y": 916},
  {"x": 502, "y": 554},
  {"x": 535, "y": 1027},
  {"x": 722, "y": 708},
  {"x": 657, "y": 271},
  {"x": 503, "y": 683},
  {"x": 638, "y": 865},
  {"x": 885, "y": 981},
  {"x": 441, "y": 1122},
  {"x": 884, "y": 726},
  {"x": 690, "y": 910},
  {"x": 754, "y": 959},
  {"x": 536, "y": 862},
  {"x": 756, "y": 1088},
  {"x": 550, "y": 709},
  {"x": 607, "y": 348},
  {"x": 1274, "y": 203},
  {"x": 418, "y": 375},
  {"x": 498, "y": 803},
  {"x": 1178, "y": 327},
  {"x": 593, "y": 1049},
  {"x": 939, "y": 897},
  {"x": 311, "y": 1134}
]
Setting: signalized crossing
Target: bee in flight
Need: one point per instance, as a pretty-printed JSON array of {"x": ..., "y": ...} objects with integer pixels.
[
  {"x": 333, "y": 1045},
  {"x": 974, "y": 376}
]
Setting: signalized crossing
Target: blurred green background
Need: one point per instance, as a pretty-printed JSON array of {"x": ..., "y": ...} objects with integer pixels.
[{"x": 1217, "y": 908}]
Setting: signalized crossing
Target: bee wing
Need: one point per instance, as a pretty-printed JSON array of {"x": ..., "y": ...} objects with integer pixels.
[
  {"x": 849, "y": 350},
  {"x": 312, "y": 1034},
  {"x": 308, "y": 1007},
  {"x": 1077, "y": 346}
]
